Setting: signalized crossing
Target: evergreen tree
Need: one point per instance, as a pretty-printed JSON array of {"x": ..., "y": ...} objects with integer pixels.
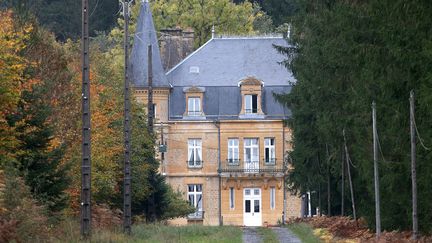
[
  {"x": 345, "y": 54},
  {"x": 38, "y": 162},
  {"x": 152, "y": 197}
]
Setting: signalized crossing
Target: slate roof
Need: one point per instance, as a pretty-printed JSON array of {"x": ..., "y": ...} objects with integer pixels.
[
  {"x": 224, "y": 103},
  {"x": 145, "y": 35},
  {"x": 226, "y": 61}
]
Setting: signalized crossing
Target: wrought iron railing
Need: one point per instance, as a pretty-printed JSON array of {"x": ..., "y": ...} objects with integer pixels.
[
  {"x": 239, "y": 166},
  {"x": 198, "y": 215},
  {"x": 195, "y": 164}
]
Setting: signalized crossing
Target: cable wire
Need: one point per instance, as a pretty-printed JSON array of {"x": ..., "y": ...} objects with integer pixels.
[{"x": 420, "y": 139}]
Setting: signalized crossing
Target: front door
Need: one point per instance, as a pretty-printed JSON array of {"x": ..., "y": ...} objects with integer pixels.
[
  {"x": 252, "y": 207},
  {"x": 251, "y": 155}
]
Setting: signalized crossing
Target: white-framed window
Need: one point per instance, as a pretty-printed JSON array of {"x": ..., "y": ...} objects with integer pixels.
[
  {"x": 194, "y": 152},
  {"x": 251, "y": 149},
  {"x": 251, "y": 104},
  {"x": 231, "y": 198},
  {"x": 195, "y": 199},
  {"x": 233, "y": 150},
  {"x": 269, "y": 151},
  {"x": 194, "y": 106},
  {"x": 272, "y": 197}
]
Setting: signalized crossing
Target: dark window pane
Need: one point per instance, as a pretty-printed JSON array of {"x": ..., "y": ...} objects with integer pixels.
[
  {"x": 267, "y": 154},
  {"x": 256, "y": 206},
  {"x": 254, "y": 103},
  {"x": 247, "y": 206}
]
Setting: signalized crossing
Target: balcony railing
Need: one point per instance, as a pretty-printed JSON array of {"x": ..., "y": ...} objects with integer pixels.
[
  {"x": 195, "y": 164},
  {"x": 194, "y": 113},
  {"x": 198, "y": 215},
  {"x": 267, "y": 166}
]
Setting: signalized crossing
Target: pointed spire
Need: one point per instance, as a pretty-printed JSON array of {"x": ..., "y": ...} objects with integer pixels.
[{"x": 146, "y": 35}]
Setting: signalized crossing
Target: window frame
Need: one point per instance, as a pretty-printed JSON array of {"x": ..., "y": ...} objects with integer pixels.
[
  {"x": 192, "y": 110},
  {"x": 195, "y": 193},
  {"x": 232, "y": 198},
  {"x": 252, "y": 147},
  {"x": 233, "y": 150},
  {"x": 195, "y": 148},
  {"x": 271, "y": 159},
  {"x": 272, "y": 198},
  {"x": 249, "y": 101}
]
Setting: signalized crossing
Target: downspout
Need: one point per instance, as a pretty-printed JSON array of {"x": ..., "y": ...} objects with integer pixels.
[
  {"x": 217, "y": 124},
  {"x": 283, "y": 161}
]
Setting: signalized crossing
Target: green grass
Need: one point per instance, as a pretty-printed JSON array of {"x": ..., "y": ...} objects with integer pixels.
[
  {"x": 161, "y": 233},
  {"x": 304, "y": 232},
  {"x": 193, "y": 233},
  {"x": 268, "y": 235}
]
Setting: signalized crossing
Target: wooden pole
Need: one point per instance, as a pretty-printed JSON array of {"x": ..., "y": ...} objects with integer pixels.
[
  {"x": 349, "y": 177},
  {"x": 376, "y": 173},
  {"x": 328, "y": 182},
  {"x": 150, "y": 111},
  {"x": 150, "y": 108},
  {"x": 343, "y": 186},
  {"x": 86, "y": 125},
  {"x": 127, "y": 192},
  {"x": 413, "y": 167}
]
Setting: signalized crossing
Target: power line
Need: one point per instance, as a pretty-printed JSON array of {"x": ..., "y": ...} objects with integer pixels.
[{"x": 418, "y": 135}]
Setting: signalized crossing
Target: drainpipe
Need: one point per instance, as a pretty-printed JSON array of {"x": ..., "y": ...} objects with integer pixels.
[
  {"x": 283, "y": 162},
  {"x": 217, "y": 124}
]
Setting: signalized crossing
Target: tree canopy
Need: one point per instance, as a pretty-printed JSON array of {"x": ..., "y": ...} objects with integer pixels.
[{"x": 346, "y": 54}]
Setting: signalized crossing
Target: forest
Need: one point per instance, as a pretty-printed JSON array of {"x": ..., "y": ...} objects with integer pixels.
[{"x": 344, "y": 55}]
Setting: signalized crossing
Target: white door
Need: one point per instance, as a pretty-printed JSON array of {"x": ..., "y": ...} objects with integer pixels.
[
  {"x": 251, "y": 155},
  {"x": 252, "y": 207}
]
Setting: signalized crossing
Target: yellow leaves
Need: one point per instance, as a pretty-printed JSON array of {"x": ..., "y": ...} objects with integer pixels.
[{"x": 12, "y": 41}]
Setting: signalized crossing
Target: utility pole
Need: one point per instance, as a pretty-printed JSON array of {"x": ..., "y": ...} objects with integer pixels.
[
  {"x": 343, "y": 185},
  {"x": 413, "y": 166},
  {"x": 86, "y": 142},
  {"x": 347, "y": 159},
  {"x": 376, "y": 173},
  {"x": 328, "y": 182},
  {"x": 150, "y": 109},
  {"x": 127, "y": 192},
  {"x": 150, "y": 114}
]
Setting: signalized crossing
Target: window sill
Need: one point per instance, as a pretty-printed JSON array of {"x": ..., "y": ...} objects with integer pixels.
[
  {"x": 252, "y": 116},
  {"x": 194, "y": 117}
]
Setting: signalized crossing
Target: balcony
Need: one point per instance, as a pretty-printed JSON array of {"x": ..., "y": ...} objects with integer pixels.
[{"x": 252, "y": 167}]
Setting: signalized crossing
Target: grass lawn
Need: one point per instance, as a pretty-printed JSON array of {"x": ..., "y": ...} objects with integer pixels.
[
  {"x": 161, "y": 233},
  {"x": 304, "y": 232},
  {"x": 267, "y": 235}
]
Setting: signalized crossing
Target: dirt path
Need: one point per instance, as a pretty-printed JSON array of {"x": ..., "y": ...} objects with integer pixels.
[{"x": 285, "y": 235}]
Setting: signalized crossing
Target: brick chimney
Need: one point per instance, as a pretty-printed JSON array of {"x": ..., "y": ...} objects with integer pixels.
[{"x": 175, "y": 45}]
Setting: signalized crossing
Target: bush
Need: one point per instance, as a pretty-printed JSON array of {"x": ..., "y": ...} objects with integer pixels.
[{"x": 21, "y": 219}]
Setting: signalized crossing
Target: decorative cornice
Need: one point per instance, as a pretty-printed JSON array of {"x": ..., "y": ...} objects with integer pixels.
[
  {"x": 251, "y": 81},
  {"x": 194, "y": 89}
]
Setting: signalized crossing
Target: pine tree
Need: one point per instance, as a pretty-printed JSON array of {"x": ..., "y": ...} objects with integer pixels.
[{"x": 39, "y": 163}]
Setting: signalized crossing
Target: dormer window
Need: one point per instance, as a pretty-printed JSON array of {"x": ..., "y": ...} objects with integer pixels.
[
  {"x": 251, "y": 92},
  {"x": 194, "y": 106},
  {"x": 194, "y": 103},
  {"x": 251, "y": 104}
]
